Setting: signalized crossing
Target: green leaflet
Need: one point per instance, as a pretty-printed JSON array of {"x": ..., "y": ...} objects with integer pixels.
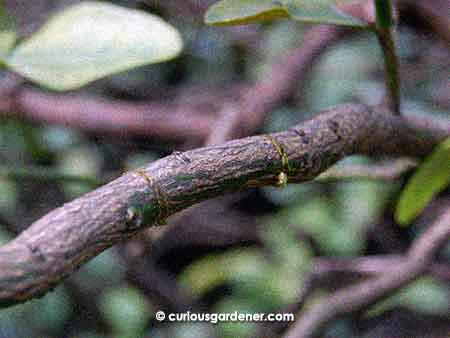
[
  {"x": 431, "y": 177},
  {"x": 91, "y": 40},
  {"x": 235, "y": 12}
]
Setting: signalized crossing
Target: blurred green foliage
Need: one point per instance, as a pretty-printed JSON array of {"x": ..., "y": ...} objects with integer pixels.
[
  {"x": 432, "y": 177},
  {"x": 126, "y": 311}
]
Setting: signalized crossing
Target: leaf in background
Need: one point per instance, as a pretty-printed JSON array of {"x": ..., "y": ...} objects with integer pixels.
[
  {"x": 126, "y": 311},
  {"x": 53, "y": 312},
  {"x": 426, "y": 296},
  {"x": 322, "y": 11},
  {"x": 235, "y": 12},
  {"x": 238, "y": 12},
  {"x": 431, "y": 177},
  {"x": 7, "y": 32},
  {"x": 91, "y": 40},
  {"x": 210, "y": 271}
]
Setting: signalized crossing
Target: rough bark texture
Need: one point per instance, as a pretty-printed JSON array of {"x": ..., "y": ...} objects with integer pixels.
[{"x": 57, "y": 244}]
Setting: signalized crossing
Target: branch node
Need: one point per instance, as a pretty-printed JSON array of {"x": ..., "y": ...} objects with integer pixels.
[
  {"x": 161, "y": 200},
  {"x": 285, "y": 167}
]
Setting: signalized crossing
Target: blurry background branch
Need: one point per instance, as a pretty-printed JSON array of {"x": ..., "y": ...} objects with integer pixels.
[{"x": 360, "y": 296}]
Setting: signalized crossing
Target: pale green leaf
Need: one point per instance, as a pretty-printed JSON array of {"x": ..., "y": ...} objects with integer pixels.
[
  {"x": 431, "y": 177},
  {"x": 91, "y": 40},
  {"x": 7, "y": 32},
  {"x": 322, "y": 11},
  {"x": 236, "y": 12}
]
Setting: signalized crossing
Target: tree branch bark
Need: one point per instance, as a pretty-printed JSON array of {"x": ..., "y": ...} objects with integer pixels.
[{"x": 60, "y": 242}]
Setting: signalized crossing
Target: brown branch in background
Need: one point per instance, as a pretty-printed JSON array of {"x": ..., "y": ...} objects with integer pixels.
[
  {"x": 107, "y": 116},
  {"x": 371, "y": 265},
  {"x": 332, "y": 274},
  {"x": 224, "y": 126},
  {"x": 60, "y": 242},
  {"x": 360, "y": 296},
  {"x": 284, "y": 77}
]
